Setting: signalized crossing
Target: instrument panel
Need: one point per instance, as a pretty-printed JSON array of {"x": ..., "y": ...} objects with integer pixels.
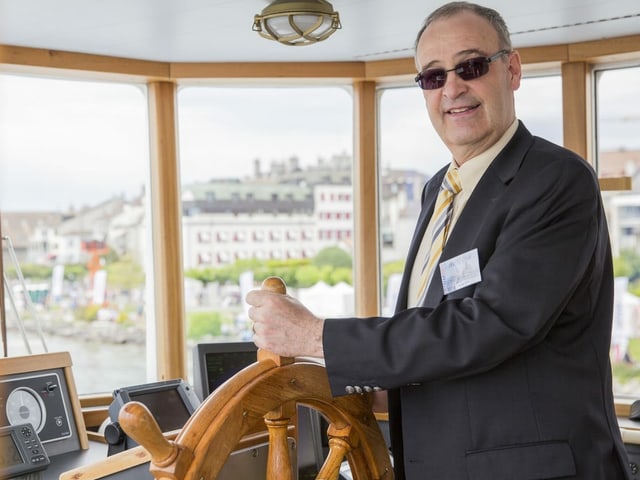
[
  {"x": 23, "y": 404},
  {"x": 38, "y": 392}
]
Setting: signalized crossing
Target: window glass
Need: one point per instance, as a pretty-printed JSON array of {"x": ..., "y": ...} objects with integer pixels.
[
  {"x": 618, "y": 155},
  {"x": 266, "y": 190},
  {"x": 72, "y": 194},
  {"x": 410, "y": 152},
  {"x": 539, "y": 106}
]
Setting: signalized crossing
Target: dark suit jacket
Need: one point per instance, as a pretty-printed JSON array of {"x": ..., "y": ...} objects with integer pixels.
[{"x": 509, "y": 378}]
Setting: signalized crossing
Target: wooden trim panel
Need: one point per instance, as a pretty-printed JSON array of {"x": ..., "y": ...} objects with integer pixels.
[
  {"x": 575, "y": 108},
  {"x": 587, "y": 51},
  {"x": 35, "y": 59},
  {"x": 366, "y": 234},
  {"x": 615, "y": 183},
  {"x": 167, "y": 238},
  {"x": 52, "y": 60},
  {"x": 248, "y": 70}
]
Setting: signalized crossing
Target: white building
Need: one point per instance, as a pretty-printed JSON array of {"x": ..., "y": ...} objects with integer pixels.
[{"x": 215, "y": 239}]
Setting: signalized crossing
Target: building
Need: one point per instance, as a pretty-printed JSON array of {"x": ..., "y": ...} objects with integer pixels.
[{"x": 30, "y": 234}]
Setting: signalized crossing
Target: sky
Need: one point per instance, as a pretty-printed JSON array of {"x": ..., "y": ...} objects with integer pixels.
[
  {"x": 224, "y": 129},
  {"x": 69, "y": 143}
]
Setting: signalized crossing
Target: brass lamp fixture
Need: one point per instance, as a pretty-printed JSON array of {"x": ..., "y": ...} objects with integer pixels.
[{"x": 296, "y": 23}]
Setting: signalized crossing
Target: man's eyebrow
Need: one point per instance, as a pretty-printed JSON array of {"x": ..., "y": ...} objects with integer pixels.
[{"x": 461, "y": 54}]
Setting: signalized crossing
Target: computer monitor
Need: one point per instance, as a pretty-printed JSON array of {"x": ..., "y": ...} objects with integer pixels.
[
  {"x": 215, "y": 363},
  {"x": 170, "y": 402}
]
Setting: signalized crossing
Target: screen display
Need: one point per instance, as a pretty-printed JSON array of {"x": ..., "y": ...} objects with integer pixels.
[
  {"x": 9, "y": 453},
  {"x": 224, "y": 365},
  {"x": 215, "y": 363},
  {"x": 167, "y": 407}
]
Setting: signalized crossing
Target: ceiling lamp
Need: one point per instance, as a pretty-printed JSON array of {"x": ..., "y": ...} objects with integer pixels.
[{"x": 299, "y": 22}]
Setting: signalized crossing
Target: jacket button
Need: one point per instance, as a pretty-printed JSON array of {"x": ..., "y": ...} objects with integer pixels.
[
  {"x": 349, "y": 389},
  {"x": 367, "y": 388},
  {"x": 358, "y": 389}
]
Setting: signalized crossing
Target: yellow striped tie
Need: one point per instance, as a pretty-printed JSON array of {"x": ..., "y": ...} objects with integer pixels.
[{"x": 442, "y": 215}]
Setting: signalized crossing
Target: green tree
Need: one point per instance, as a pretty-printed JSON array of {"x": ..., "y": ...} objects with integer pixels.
[
  {"x": 307, "y": 275},
  {"x": 389, "y": 269},
  {"x": 341, "y": 274},
  {"x": 203, "y": 275},
  {"x": 332, "y": 265},
  {"x": 30, "y": 271},
  {"x": 74, "y": 271},
  {"x": 627, "y": 265},
  {"x": 201, "y": 324},
  {"x": 333, "y": 256},
  {"x": 125, "y": 273}
]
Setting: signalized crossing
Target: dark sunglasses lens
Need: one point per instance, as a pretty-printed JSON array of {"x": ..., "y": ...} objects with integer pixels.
[
  {"x": 435, "y": 78},
  {"x": 432, "y": 79},
  {"x": 472, "y": 68}
]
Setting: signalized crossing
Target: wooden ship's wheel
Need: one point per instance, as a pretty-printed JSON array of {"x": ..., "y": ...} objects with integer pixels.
[{"x": 265, "y": 393}]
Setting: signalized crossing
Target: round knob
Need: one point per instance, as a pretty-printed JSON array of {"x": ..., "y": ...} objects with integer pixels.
[
  {"x": 274, "y": 284},
  {"x": 113, "y": 434}
]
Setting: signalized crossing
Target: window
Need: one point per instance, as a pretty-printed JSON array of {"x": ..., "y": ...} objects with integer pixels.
[
  {"x": 410, "y": 152},
  {"x": 539, "y": 106},
  {"x": 204, "y": 237},
  {"x": 74, "y": 176},
  {"x": 618, "y": 155},
  {"x": 282, "y": 145}
]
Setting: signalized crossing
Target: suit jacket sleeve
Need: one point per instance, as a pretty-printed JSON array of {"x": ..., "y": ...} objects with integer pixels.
[{"x": 541, "y": 239}]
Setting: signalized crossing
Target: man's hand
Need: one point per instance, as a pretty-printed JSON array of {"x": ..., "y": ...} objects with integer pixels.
[{"x": 282, "y": 325}]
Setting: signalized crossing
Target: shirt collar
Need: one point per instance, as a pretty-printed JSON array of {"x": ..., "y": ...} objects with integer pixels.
[{"x": 472, "y": 170}]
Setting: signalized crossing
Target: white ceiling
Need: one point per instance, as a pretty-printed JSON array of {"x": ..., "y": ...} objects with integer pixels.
[{"x": 220, "y": 30}]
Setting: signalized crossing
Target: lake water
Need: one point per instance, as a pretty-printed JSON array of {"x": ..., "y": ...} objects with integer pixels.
[{"x": 98, "y": 367}]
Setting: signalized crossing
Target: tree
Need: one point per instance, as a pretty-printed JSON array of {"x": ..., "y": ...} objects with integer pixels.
[
  {"x": 627, "y": 265},
  {"x": 341, "y": 274},
  {"x": 333, "y": 256},
  {"x": 31, "y": 271},
  {"x": 389, "y": 269},
  {"x": 203, "y": 275},
  {"x": 75, "y": 271},
  {"x": 307, "y": 276},
  {"x": 125, "y": 273}
]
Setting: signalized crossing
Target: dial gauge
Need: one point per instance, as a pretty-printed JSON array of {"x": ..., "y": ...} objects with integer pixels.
[{"x": 25, "y": 406}]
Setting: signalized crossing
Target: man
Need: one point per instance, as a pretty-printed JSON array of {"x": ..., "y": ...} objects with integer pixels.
[{"x": 496, "y": 361}]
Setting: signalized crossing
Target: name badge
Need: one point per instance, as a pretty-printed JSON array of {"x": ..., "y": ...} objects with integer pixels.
[{"x": 461, "y": 271}]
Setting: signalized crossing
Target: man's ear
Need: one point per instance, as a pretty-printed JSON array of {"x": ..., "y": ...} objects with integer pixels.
[{"x": 515, "y": 69}]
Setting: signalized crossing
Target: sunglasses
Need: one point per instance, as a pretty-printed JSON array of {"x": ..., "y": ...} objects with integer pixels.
[{"x": 434, "y": 78}]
